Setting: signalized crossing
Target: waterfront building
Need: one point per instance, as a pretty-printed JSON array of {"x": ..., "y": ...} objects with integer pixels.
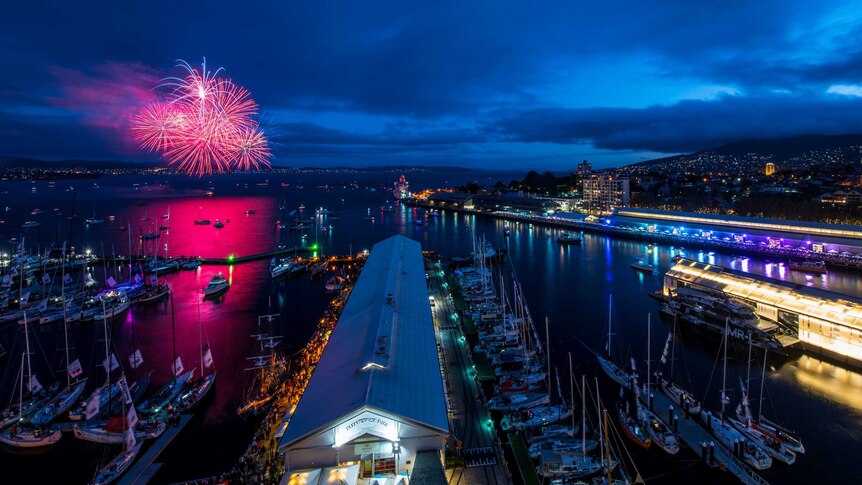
[
  {"x": 841, "y": 197},
  {"x": 585, "y": 168},
  {"x": 376, "y": 398},
  {"x": 825, "y": 322},
  {"x": 770, "y": 169},
  {"x": 605, "y": 193},
  {"x": 773, "y": 233},
  {"x": 448, "y": 199}
]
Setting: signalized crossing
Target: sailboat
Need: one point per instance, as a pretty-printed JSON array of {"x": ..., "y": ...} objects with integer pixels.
[
  {"x": 562, "y": 438},
  {"x": 131, "y": 448},
  {"x": 656, "y": 427},
  {"x": 169, "y": 392},
  {"x": 61, "y": 403},
  {"x": 23, "y": 434},
  {"x": 199, "y": 390},
  {"x": 200, "y": 221},
  {"x": 266, "y": 372},
  {"x": 93, "y": 220},
  {"x": 612, "y": 370},
  {"x": 728, "y": 435},
  {"x": 565, "y": 466},
  {"x": 768, "y": 442},
  {"x": 73, "y": 390},
  {"x": 633, "y": 426},
  {"x": 680, "y": 396},
  {"x": 789, "y": 439}
]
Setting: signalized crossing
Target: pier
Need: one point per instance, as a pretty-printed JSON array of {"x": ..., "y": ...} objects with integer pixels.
[
  {"x": 475, "y": 438},
  {"x": 143, "y": 469},
  {"x": 627, "y": 233},
  {"x": 693, "y": 434}
]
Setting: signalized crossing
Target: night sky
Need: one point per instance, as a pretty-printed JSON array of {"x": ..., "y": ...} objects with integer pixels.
[{"x": 499, "y": 84}]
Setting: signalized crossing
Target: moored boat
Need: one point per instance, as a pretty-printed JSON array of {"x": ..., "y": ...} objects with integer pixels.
[{"x": 217, "y": 284}]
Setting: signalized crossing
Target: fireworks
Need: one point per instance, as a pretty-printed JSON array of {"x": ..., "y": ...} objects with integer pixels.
[{"x": 205, "y": 123}]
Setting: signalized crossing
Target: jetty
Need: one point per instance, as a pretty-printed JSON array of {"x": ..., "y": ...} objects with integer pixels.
[
  {"x": 696, "y": 437},
  {"x": 143, "y": 469}
]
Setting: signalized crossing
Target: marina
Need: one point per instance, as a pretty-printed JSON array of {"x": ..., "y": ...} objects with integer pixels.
[{"x": 486, "y": 454}]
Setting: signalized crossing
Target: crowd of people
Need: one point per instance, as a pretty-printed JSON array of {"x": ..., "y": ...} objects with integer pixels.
[{"x": 262, "y": 463}]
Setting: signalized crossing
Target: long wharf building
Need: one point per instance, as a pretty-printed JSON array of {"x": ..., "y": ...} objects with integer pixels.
[
  {"x": 814, "y": 236},
  {"x": 825, "y": 322},
  {"x": 376, "y": 398}
]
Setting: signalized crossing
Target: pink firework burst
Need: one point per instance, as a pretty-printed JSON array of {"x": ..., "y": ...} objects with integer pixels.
[{"x": 204, "y": 124}]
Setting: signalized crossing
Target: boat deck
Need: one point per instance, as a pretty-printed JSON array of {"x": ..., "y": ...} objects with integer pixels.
[
  {"x": 142, "y": 470},
  {"x": 693, "y": 434}
]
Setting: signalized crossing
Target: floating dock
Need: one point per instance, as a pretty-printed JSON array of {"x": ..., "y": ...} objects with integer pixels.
[
  {"x": 693, "y": 434},
  {"x": 143, "y": 469}
]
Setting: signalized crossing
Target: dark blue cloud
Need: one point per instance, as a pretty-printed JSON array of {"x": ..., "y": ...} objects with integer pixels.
[
  {"x": 688, "y": 125},
  {"x": 485, "y": 83}
]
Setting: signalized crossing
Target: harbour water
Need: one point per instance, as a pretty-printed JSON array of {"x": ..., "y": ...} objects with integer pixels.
[{"x": 568, "y": 284}]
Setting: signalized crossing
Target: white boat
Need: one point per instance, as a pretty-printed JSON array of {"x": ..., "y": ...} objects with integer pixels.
[
  {"x": 537, "y": 417},
  {"x": 109, "y": 432},
  {"x": 23, "y": 434},
  {"x": 730, "y": 437},
  {"x": 641, "y": 265},
  {"x": 166, "y": 395},
  {"x": 658, "y": 431},
  {"x": 570, "y": 238},
  {"x": 154, "y": 293},
  {"x": 118, "y": 465},
  {"x": 280, "y": 268},
  {"x": 28, "y": 436},
  {"x": 191, "y": 264},
  {"x": 198, "y": 389},
  {"x": 773, "y": 447},
  {"x": 117, "y": 307},
  {"x": 557, "y": 466},
  {"x": 105, "y": 394},
  {"x": 29, "y": 224},
  {"x": 217, "y": 284},
  {"x": 562, "y": 445},
  {"x": 518, "y": 401},
  {"x": 61, "y": 403}
]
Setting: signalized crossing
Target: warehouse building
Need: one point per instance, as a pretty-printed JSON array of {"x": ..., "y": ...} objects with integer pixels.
[
  {"x": 825, "y": 322},
  {"x": 376, "y": 398}
]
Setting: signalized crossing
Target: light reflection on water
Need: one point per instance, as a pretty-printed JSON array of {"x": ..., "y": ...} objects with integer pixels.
[{"x": 568, "y": 284}]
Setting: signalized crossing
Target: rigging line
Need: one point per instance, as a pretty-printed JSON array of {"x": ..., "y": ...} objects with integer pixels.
[
  {"x": 712, "y": 372},
  {"x": 689, "y": 464}
]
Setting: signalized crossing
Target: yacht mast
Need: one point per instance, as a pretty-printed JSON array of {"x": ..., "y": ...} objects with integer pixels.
[
  {"x": 724, "y": 373},
  {"x": 584, "y": 416},
  {"x": 548, "y": 354},
  {"x": 762, "y": 380},
  {"x": 572, "y": 386},
  {"x": 599, "y": 408},
  {"x": 649, "y": 336},
  {"x": 65, "y": 327},
  {"x": 610, "y": 303},
  {"x": 29, "y": 370}
]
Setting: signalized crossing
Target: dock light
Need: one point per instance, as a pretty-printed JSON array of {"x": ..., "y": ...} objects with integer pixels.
[
  {"x": 314, "y": 247},
  {"x": 231, "y": 258}
]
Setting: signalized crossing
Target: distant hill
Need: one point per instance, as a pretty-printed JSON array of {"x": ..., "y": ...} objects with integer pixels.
[{"x": 751, "y": 155}]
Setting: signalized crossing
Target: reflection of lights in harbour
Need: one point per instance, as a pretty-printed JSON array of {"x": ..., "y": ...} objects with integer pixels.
[{"x": 835, "y": 383}]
